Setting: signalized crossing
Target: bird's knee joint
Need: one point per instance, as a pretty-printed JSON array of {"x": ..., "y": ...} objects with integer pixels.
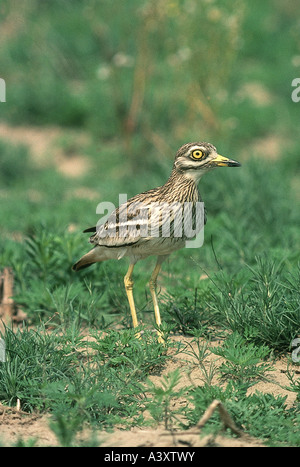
[
  {"x": 152, "y": 284},
  {"x": 128, "y": 283}
]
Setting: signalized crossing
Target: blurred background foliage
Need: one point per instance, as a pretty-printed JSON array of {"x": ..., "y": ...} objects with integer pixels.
[
  {"x": 212, "y": 68},
  {"x": 99, "y": 96}
]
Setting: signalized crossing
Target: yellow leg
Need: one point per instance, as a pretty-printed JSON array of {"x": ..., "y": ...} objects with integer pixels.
[
  {"x": 128, "y": 282},
  {"x": 152, "y": 286}
]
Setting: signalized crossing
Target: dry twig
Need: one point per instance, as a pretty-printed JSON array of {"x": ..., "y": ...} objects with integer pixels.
[
  {"x": 6, "y": 293},
  {"x": 225, "y": 417}
]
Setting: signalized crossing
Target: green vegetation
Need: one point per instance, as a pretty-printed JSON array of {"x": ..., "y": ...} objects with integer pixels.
[{"x": 123, "y": 85}]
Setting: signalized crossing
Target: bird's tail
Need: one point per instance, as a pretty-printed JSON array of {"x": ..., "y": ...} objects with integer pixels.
[{"x": 86, "y": 261}]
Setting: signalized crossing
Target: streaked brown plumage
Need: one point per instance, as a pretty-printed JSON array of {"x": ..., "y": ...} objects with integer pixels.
[{"x": 127, "y": 231}]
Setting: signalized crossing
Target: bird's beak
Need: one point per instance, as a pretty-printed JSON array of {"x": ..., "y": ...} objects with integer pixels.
[{"x": 221, "y": 161}]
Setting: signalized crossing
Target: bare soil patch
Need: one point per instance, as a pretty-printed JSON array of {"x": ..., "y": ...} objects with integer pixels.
[{"x": 51, "y": 146}]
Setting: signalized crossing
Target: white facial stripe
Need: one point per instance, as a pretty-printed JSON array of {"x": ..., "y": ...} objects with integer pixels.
[
  {"x": 188, "y": 163},
  {"x": 197, "y": 150},
  {"x": 201, "y": 148}
]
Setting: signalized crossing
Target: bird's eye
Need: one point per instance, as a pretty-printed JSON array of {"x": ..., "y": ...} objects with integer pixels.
[{"x": 197, "y": 154}]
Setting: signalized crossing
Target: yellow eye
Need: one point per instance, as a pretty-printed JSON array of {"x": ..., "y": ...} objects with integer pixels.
[{"x": 197, "y": 154}]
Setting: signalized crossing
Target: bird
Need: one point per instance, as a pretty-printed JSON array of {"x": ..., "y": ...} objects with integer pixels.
[{"x": 148, "y": 224}]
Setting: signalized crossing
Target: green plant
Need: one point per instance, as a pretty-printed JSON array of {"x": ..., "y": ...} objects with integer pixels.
[
  {"x": 262, "y": 305},
  {"x": 264, "y": 416},
  {"x": 202, "y": 396},
  {"x": 294, "y": 382},
  {"x": 33, "y": 358},
  {"x": 244, "y": 360},
  {"x": 187, "y": 311},
  {"x": 198, "y": 350},
  {"x": 138, "y": 357},
  {"x": 65, "y": 427},
  {"x": 96, "y": 381},
  {"x": 162, "y": 397}
]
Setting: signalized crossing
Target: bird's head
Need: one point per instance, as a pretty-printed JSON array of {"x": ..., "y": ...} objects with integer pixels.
[{"x": 194, "y": 159}]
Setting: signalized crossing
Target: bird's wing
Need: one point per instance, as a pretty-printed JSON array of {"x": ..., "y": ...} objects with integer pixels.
[
  {"x": 126, "y": 226},
  {"x": 141, "y": 219}
]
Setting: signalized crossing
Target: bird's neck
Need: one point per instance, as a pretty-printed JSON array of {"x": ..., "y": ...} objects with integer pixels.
[{"x": 182, "y": 187}]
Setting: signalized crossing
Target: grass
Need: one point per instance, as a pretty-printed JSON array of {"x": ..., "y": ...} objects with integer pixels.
[
  {"x": 244, "y": 361},
  {"x": 162, "y": 397},
  {"x": 93, "y": 381},
  {"x": 103, "y": 382},
  {"x": 266, "y": 314},
  {"x": 137, "y": 83},
  {"x": 248, "y": 412}
]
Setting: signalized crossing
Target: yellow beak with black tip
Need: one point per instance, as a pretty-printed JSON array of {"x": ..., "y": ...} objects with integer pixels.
[{"x": 221, "y": 161}]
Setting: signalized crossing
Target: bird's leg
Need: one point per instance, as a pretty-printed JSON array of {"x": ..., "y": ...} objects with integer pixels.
[
  {"x": 128, "y": 282},
  {"x": 152, "y": 286}
]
